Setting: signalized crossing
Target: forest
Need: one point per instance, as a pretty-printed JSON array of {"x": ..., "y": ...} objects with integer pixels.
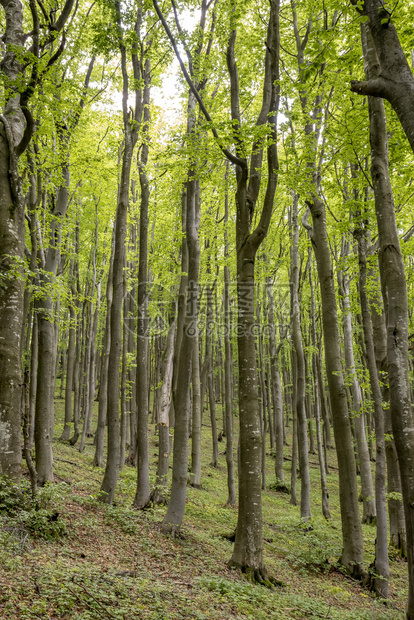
[{"x": 206, "y": 309}]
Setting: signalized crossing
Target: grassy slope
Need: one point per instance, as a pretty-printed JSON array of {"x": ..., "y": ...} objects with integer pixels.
[{"x": 114, "y": 562}]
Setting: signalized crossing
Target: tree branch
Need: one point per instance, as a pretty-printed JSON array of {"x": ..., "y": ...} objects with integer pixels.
[
  {"x": 376, "y": 87},
  {"x": 63, "y": 17},
  {"x": 233, "y": 158}
]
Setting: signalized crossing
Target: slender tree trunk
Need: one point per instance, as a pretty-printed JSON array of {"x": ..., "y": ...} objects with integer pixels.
[
  {"x": 44, "y": 394},
  {"x": 181, "y": 308},
  {"x": 195, "y": 478},
  {"x": 164, "y": 409},
  {"x": 175, "y": 512},
  {"x": 294, "y": 463},
  {"x": 381, "y": 565},
  {"x": 112, "y": 464},
  {"x": 228, "y": 359},
  {"x": 263, "y": 391},
  {"x": 210, "y": 377},
  {"x": 352, "y": 552},
  {"x": 98, "y": 459},
  {"x": 228, "y": 391},
  {"x": 324, "y": 488},
  {"x": 90, "y": 344},
  {"x": 76, "y": 375},
  {"x": 70, "y": 365},
  {"x": 277, "y": 397},
  {"x": 63, "y": 358},
  {"x": 124, "y": 421},
  {"x": 302, "y": 436},
  {"x": 367, "y": 489},
  {"x": 33, "y": 382},
  {"x": 131, "y": 126},
  {"x": 143, "y": 486}
]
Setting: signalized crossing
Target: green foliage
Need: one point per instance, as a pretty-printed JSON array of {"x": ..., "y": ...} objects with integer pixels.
[
  {"x": 37, "y": 517},
  {"x": 237, "y": 592},
  {"x": 127, "y": 519},
  {"x": 316, "y": 550}
]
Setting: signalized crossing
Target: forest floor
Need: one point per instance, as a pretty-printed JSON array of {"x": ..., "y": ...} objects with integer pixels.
[{"x": 105, "y": 562}]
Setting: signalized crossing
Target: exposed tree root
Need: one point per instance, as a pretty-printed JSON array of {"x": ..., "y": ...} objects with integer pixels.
[
  {"x": 356, "y": 572},
  {"x": 257, "y": 576},
  {"x": 370, "y": 519},
  {"x": 74, "y": 439},
  {"x": 400, "y": 545},
  {"x": 156, "y": 498},
  {"x": 375, "y": 583},
  {"x": 199, "y": 487},
  {"x": 172, "y": 530}
]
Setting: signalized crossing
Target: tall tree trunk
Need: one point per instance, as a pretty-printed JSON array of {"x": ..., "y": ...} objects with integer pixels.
[
  {"x": 393, "y": 284},
  {"x": 398, "y": 535},
  {"x": 142, "y": 396},
  {"x": 112, "y": 464},
  {"x": 262, "y": 388},
  {"x": 367, "y": 489},
  {"x": 381, "y": 565},
  {"x": 70, "y": 360},
  {"x": 305, "y": 509},
  {"x": 16, "y": 129},
  {"x": 248, "y": 548},
  {"x": 130, "y": 136},
  {"x": 175, "y": 512},
  {"x": 228, "y": 360},
  {"x": 324, "y": 488},
  {"x": 210, "y": 376},
  {"x": 228, "y": 391},
  {"x": 294, "y": 463},
  {"x": 98, "y": 459},
  {"x": 195, "y": 478},
  {"x": 90, "y": 349},
  {"x": 352, "y": 551},
  {"x": 164, "y": 409},
  {"x": 277, "y": 398}
]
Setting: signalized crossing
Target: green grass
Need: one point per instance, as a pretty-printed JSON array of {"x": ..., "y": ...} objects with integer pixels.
[{"x": 113, "y": 562}]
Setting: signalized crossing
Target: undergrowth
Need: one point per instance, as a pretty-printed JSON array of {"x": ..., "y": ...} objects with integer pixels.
[
  {"x": 63, "y": 555},
  {"x": 24, "y": 517}
]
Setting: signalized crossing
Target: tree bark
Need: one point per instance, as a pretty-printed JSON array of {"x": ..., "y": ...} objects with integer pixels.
[
  {"x": 300, "y": 383},
  {"x": 142, "y": 398},
  {"x": 130, "y": 136},
  {"x": 393, "y": 284},
  {"x": 277, "y": 398},
  {"x": 195, "y": 477},
  {"x": 381, "y": 565},
  {"x": 98, "y": 459},
  {"x": 175, "y": 512},
  {"x": 164, "y": 409},
  {"x": 324, "y": 488},
  {"x": 352, "y": 551},
  {"x": 367, "y": 489},
  {"x": 392, "y": 79},
  {"x": 248, "y": 548}
]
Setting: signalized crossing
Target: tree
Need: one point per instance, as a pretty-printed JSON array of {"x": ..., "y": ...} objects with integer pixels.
[
  {"x": 391, "y": 263},
  {"x": 16, "y": 130},
  {"x": 131, "y": 121}
]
